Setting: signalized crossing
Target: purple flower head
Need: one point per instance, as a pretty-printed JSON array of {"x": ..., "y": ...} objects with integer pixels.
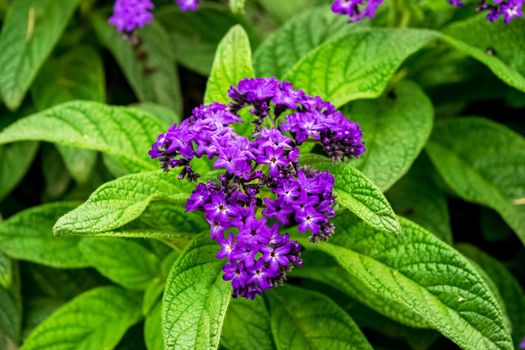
[
  {"x": 263, "y": 188},
  {"x": 129, "y": 15},
  {"x": 356, "y": 10},
  {"x": 188, "y": 5},
  {"x": 508, "y": 9},
  {"x": 522, "y": 345}
]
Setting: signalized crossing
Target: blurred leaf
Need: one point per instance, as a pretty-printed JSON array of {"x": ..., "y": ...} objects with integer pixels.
[
  {"x": 152, "y": 295},
  {"x": 30, "y": 31},
  {"x": 247, "y": 325},
  {"x": 126, "y": 133},
  {"x": 11, "y": 310},
  {"x": 303, "y": 319},
  {"x": 28, "y": 236},
  {"x": 357, "y": 65},
  {"x": 153, "y": 329},
  {"x": 125, "y": 262},
  {"x": 509, "y": 288},
  {"x": 283, "y": 10},
  {"x": 395, "y": 130},
  {"x": 163, "y": 114},
  {"x": 56, "y": 177},
  {"x": 6, "y": 270},
  {"x": 291, "y": 42},
  {"x": 120, "y": 201},
  {"x": 237, "y": 6},
  {"x": 149, "y": 66},
  {"x": 233, "y": 62},
  {"x": 36, "y": 310},
  {"x": 491, "y": 174},
  {"x": 94, "y": 320},
  {"x": 418, "y": 197},
  {"x": 423, "y": 273},
  {"x": 497, "y": 45},
  {"x": 16, "y": 160},
  {"x": 196, "y": 298}
]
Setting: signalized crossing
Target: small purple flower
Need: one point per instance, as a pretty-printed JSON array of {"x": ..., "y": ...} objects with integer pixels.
[
  {"x": 522, "y": 345},
  {"x": 495, "y": 9},
  {"x": 188, "y": 5},
  {"x": 356, "y": 9},
  {"x": 263, "y": 187},
  {"x": 129, "y": 15}
]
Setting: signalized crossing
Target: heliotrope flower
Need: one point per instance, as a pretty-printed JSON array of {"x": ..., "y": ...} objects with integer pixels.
[
  {"x": 522, "y": 345},
  {"x": 263, "y": 187},
  {"x": 356, "y": 9},
  {"x": 129, "y": 15},
  {"x": 508, "y": 9},
  {"x": 188, "y": 5}
]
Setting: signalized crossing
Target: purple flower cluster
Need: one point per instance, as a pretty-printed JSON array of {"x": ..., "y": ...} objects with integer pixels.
[
  {"x": 129, "y": 15},
  {"x": 263, "y": 188},
  {"x": 522, "y": 345},
  {"x": 509, "y": 9},
  {"x": 356, "y": 9}
]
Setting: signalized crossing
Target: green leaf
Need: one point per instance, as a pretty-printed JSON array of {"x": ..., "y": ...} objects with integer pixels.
[
  {"x": 6, "y": 270},
  {"x": 125, "y": 262},
  {"x": 126, "y": 133},
  {"x": 237, "y": 6},
  {"x": 94, "y": 320},
  {"x": 418, "y": 197},
  {"x": 149, "y": 67},
  {"x": 28, "y": 236},
  {"x": 296, "y": 38},
  {"x": 303, "y": 319},
  {"x": 395, "y": 130},
  {"x": 323, "y": 268},
  {"x": 355, "y": 192},
  {"x": 233, "y": 62},
  {"x": 153, "y": 329},
  {"x": 30, "y": 31},
  {"x": 509, "y": 288},
  {"x": 11, "y": 309},
  {"x": 120, "y": 201},
  {"x": 247, "y": 325},
  {"x": 196, "y": 298},
  {"x": 496, "y": 45},
  {"x": 16, "y": 160},
  {"x": 36, "y": 310},
  {"x": 423, "y": 273},
  {"x": 490, "y": 174},
  {"x": 152, "y": 295},
  {"x": 357, "y": 65}
]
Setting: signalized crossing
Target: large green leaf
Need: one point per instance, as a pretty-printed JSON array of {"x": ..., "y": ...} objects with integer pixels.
[
  {"x": 149, "y": 66},
  {"x": 94, "y": 320},
  {"x": 509, "y": 288},
  {"x": 126, "y": 133},
  {"x": 153, "y": 329},
  {"x": 196, "y": 298},
  {"x": 497, "y": 45},
  {"x": 247, "y": 325},
  {"x": 395, "y": 129},
  {"x": 488, "y": 173},
  {"x": 30, "y": 31},
  {"x": 323, "y": 268},
  {"x": 357, "y": 65},
  {"x": 28, "y": 236},
  {"x": 303, "y": 319},
  {"x": 418, "y": 197},
  {"x": 233, "y": 62},
  {"x": 423, "y": 273},
  {"x": 120, "y": 201},
  {"x": 16, "y": 160},
  {"x": 291, "y": 42},
  {"x": 126, "y": 262}
]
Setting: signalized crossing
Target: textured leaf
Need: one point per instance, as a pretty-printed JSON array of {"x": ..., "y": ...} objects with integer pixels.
[
  {"x": 28, "y": 236},
  {"x": 423, "y": 273},
  {"x": 233, "y": 62},
  {"x": 418, "y": 197},
  {"x": 16, "y": 160},
  {"x": 322, "y": 268},
  {"x": 291, "y": 42},
  {"x": 125, "y": 262},
  {"x": 126, "y": 133},
  {"x": 357, "y": 65},
  {"x": 303, "y": 319},
  {"x": 196, "y": 298},
  {"x": 247, "y": 325},
  {"x": 6, "y": 270},
  {"x": 30, "y": 31},
  {"x": 94, "y": 320},
  {"x": 149, "y": 66},
  {"x": 153, "y": 329},
  {"x": 120, "y": 201},
  {"x": 395, "y": 129},
  {"x": 491, "y": 174},
  {"x": 509, "y": 288},
  {"x": 497, "y": 45}
]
